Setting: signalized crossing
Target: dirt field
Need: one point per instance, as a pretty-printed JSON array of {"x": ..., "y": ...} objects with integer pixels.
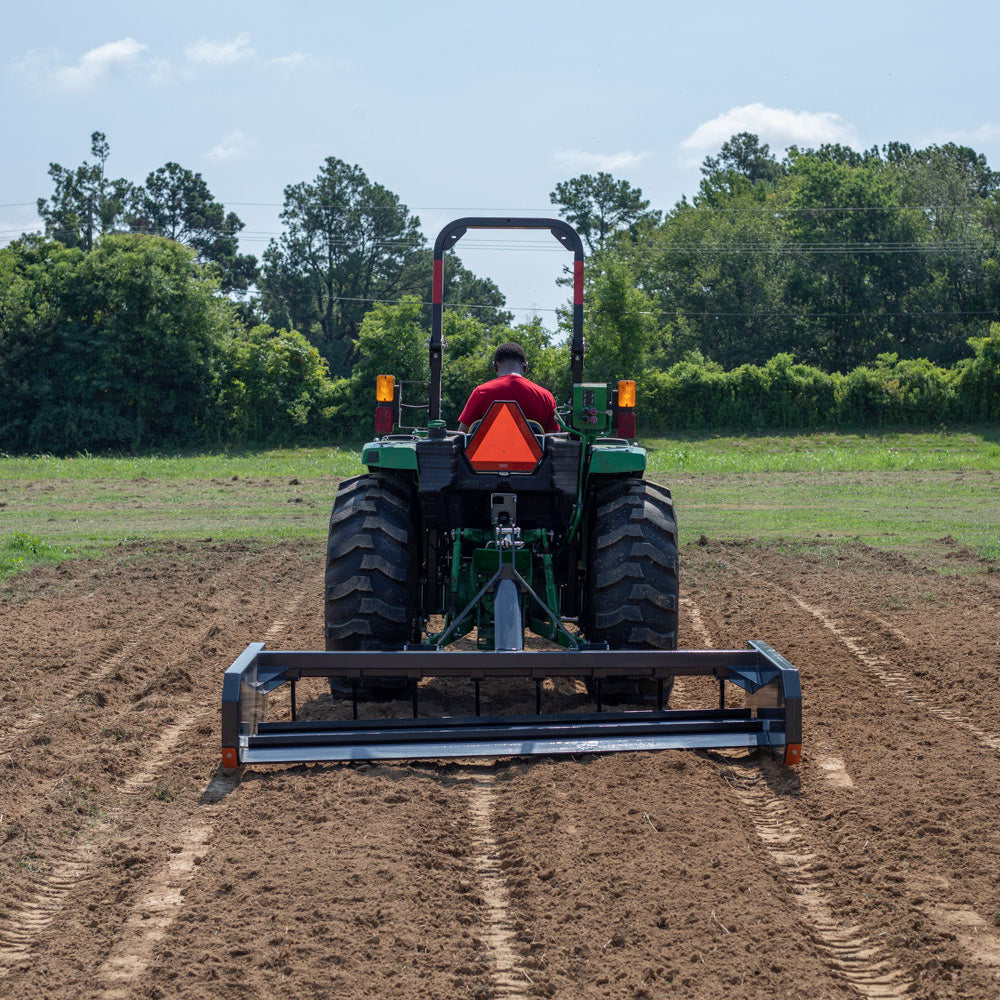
[{"x": 131, "y": 867}]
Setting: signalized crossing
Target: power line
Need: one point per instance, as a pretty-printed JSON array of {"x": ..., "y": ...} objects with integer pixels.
[
  {"x": 774, "y": 210},
  {"x": 837, "y": 247},
  {"x": 762, "y": 314}
]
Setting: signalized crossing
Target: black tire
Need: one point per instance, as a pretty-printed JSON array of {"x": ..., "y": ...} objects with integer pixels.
[
  {"x": 371, "y": 572},
  {"x": 632, "y": 583}
]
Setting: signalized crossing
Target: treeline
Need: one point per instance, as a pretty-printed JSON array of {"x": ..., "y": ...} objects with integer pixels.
[
  {"x": 130, "y": 347},
  {"x": 827, "y": 288},
  {"x": 780, "y": 394}
]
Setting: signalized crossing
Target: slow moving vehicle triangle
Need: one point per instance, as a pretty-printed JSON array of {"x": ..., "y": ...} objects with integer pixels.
[{"x": 503, "y": 442}]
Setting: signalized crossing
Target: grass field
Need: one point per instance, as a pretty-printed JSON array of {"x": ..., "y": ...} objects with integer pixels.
[{"x": 905, "y": 491}]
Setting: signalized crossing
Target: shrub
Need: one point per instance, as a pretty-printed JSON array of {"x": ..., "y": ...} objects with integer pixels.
[
  {"x": 273, "y": 388},
  {"x": 977, "y": 379},
  {"x": 916, "y": 392}
]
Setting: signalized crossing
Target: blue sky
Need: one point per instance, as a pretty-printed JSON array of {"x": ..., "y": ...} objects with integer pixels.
[{"x": 466, "y": 108}]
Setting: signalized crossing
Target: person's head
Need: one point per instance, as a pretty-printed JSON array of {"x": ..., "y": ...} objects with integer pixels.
[{"x": 509, "y": 359}]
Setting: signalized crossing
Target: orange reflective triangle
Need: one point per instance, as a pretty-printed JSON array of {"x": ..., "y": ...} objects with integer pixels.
[{"x": 503, "y": 442}]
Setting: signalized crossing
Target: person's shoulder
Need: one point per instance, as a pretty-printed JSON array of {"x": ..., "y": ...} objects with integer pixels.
[{"x": 545, "y": 392}]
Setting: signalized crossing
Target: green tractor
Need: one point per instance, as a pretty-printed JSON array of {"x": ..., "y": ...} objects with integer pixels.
[
  {"x": 551, "y": 529},
  {"x": 501, "y": 530}
]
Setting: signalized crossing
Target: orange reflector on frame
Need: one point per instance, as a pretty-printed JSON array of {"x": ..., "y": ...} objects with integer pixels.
[
  {"x": 385, "y": 388},
  {"x": 793, "y": 754},
  {"x": 503, "y": 442}
]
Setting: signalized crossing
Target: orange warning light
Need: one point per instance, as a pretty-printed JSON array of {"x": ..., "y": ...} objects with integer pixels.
[
  {"x": 503, "y": 442},
  {"x": 385, "y": 388},
  {"x": 626, "y": 393}
]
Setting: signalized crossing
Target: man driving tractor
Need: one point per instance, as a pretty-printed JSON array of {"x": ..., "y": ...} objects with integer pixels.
[{"x": 510, "y": 364}]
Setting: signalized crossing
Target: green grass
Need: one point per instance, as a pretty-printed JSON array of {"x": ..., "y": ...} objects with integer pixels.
[
  {"x": 903, "y": 491},
  {"x": 826, "y": 452},
  {"x": 909, "y": 511},
  {"x": 254, "y": 464},
  {"x": 19, "y": 552}
]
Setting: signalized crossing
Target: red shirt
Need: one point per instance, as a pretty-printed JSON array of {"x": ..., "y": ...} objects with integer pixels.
[{"x": 536, "y": 403}]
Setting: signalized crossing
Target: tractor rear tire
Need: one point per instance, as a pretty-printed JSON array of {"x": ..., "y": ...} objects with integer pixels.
[
  {"x": 371, "y": 574},
  {"x": 632, "y": 585}
]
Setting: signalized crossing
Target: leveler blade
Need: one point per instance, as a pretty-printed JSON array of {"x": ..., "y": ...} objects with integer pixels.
[{"x": 771, "y": 720}]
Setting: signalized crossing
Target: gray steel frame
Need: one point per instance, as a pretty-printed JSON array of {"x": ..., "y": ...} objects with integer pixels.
[{"x": 764, "y": 674}]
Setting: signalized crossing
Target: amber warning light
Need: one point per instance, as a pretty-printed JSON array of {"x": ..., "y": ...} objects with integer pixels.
[
  {"x": 626, "y": 393},
  {"x": 503, "y": 442},
  {"x": 385, "y": 403}
]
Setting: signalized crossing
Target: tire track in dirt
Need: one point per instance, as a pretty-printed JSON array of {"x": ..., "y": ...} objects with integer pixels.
[
  {"x": 845, "y": 948},
  {"x": 23, "y": 923},
  {"x": 889, "y": 675},
  {"x": 151, "y": 916},
  {"x": 832, "y": 768},
  {"x": 499, "y": 934},
  {"x": 975, "y": 934},
  {"x": 18, "y": 730}
]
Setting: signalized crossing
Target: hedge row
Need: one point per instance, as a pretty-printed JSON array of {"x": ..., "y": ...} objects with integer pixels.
[{"x": 699, "y": 395}]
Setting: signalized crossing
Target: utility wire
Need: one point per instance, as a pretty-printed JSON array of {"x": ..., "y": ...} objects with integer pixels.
[
  {"x": 687, "y": 206},
  {"x": 834, "y": 247},
  {"x": 688, "y": 314}
]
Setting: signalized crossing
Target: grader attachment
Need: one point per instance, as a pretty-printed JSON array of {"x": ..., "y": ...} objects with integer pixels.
[{"x": 766, "y": 677}]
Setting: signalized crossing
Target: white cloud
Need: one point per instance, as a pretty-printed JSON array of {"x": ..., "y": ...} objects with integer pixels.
[
  {"x": 91, "y": 67},
  {"x": 780, "y": 127},
  {"x": 293, "y": 61},
  {"x": 207, "y": 53},
  {"x": 578, "y": 159},
  {"x": 231, "y": 146},
  {"x": 13, "y": 228}
]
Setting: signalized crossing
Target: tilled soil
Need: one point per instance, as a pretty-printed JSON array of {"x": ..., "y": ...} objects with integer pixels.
[{"x": 130, "y": 866}]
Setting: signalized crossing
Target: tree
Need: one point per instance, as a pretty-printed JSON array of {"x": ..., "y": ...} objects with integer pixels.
[
  {"x": 598, "y": 206},
  {"x": 116, "y": 348},
  {"x": 176, "y": 203},
  {"x": 85, "y": 202},
  {"x": 347, "y": 244},
  {"x": 717, "y": 278},
  {"x": 744, "y": 154},
  {"x": 858, "y": 271},
  {"x": 620, "y": 323},
  {"x": 274, "y": 387}
]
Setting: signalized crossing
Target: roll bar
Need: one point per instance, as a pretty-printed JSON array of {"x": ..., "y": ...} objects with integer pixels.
[{"x": 449, "y": 236}]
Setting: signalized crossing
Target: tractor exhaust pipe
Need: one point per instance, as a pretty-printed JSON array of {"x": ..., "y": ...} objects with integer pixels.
[{"x": 448, "y": 237}]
